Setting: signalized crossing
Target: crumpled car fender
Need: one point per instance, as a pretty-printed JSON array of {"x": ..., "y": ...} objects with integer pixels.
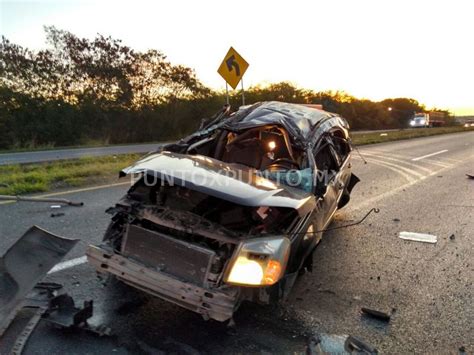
[{"x": 26, "y": 263}]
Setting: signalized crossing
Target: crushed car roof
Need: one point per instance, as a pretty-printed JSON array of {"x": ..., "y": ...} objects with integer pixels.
[{"x": 273, "y": 112}]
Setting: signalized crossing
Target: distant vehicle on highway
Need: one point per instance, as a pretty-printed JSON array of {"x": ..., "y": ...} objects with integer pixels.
[
  {"x": 469, "y": 124},
  {"x": 431, "y": 119},
  {"x": 232, "y": 212}
]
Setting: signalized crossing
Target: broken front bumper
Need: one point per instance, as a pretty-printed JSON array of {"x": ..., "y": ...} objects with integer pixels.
[{"x": 218, "y": 304}]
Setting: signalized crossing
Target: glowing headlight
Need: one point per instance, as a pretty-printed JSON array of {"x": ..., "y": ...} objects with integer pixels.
[
  {"x": 246, "y": 271},
  {"x": 259, "y": 262},
  {"x": 412, "y": 123},
  {"x": 422, "y": 121},
  {"x": 272, "y": 145}
]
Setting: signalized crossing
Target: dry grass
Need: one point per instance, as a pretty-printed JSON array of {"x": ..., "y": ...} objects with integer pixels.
[{"x": 42, "y": 177}]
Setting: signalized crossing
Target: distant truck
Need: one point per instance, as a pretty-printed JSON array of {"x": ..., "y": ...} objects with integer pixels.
[{"x": 431, "y": 119}]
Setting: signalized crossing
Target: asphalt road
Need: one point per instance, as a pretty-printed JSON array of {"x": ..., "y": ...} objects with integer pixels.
[
  {"x": 419, "y": 186},
  {"x": 74, "y": 153}
]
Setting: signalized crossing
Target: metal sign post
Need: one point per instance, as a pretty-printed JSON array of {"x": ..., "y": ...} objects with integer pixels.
[
  {"x": 227, "y": 93},
  {"x": 243, "y": 92},
  {"x": 232, "y": 70}
]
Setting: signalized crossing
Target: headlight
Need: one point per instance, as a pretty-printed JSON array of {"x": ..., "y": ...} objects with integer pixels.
[
  {"x": 422, "y": 121},
  {"x": 412, "y": 123},
  {"x": 259, "y": 262}
]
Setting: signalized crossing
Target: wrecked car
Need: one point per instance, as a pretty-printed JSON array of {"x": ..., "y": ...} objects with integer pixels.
[{"x": 232, "y": 212}]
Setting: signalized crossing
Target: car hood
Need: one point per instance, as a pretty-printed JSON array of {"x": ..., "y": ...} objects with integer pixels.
[{"x": 232, "y": 182}]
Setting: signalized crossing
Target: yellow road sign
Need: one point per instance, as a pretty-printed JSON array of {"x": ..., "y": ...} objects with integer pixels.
[{"x": 233, "y": 68}]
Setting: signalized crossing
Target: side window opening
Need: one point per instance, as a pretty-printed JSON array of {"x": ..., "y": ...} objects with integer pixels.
[
  {"x": 341, "y": 146},
  {"x": 327, "y": 164}
]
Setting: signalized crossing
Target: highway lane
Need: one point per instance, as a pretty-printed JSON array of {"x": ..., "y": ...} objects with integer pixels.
[
  {"x": 73, "y": 153},
  {"x": 427, "y": 287}
]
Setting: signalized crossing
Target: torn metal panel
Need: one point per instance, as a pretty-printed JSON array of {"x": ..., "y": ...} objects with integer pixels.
[
  {"x": 64, "y": 313},
  {"x": 297, "y": 119},
  {"x": 27, "y": 331},
  {"x": 217, "y": 304},
  {"x": 26, "y": 263}
]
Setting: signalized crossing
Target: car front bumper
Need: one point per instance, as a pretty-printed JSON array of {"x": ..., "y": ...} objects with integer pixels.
[{"x": 218, "y": 303}]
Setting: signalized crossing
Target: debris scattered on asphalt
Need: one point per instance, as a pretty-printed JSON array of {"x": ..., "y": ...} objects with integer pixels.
[
  {"x": 396, "y": 219},
  {"x": 359, "y": 346},
  {"x": 59, "y": 214},
  {"x": 418, "y": 237},
  {"x": 41, "y": 199},
  {"x": 383, "y": 134},
  {"x": 470, "y": 176},
  {"x": 55, "y": 206},
  {"x": 63, "y": 313},
  {"x": 24, "y": 265},
  {"x": 51, "y": 286},
  {"x": 452, "y": 237},
  {"x": 376, "y": 314},
  {"x": 338, "y": 344},
  {"x": 21, "y": 340}
]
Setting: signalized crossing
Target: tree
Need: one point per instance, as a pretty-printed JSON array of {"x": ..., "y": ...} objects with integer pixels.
[{"x": 402, "y": 109}]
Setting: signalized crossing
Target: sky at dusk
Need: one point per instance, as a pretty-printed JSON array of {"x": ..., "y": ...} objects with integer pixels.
[{"x": 368, "y": 48}]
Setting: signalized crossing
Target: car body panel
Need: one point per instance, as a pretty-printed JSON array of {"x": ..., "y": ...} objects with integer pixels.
[
  {"x": 232, "y": 182},
  {"x": 24, "y": 265}
]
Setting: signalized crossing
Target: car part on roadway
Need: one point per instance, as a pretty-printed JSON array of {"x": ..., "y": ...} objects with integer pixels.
[
  {"x": 25, "y": 264},
  {"x": 418, "y": 237},
  {"x": 376, "y": 314},
  {"x": 40, "y": 199},
  {"x": 322, "y": 343}
]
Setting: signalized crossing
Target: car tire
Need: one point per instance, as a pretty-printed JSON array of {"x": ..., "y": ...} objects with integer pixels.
[{"x": 345, "y": 198}]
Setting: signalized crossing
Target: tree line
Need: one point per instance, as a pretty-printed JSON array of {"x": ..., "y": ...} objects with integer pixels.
[{"x": 81, "y": 91}]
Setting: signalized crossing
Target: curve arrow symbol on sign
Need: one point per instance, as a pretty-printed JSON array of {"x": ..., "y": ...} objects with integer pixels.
[{"x": 231, "y": 63}]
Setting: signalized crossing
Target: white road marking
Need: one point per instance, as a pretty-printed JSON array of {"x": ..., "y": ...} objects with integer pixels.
[
  {"x": 430, "y": 155},
  {"x": 386, "y": 154},
  {"x": 68, "y": 264},
  {"x": 370, "y": 201},
  {"x": 383, "y": 153},
  {"x": 390, "y": 167},
  {"x": 382, "y": 157},
  {"x": 60, "y": 193},
  {"x": 397, "y": 166}
]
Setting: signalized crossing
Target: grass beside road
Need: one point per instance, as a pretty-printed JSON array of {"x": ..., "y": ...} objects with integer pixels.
[
  {"x": 380, "y": 137},
  {"x": 42, "y": 177}
]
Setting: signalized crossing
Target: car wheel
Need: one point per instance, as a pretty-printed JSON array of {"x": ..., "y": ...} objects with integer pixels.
[{"x": 345, "y": 198}]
